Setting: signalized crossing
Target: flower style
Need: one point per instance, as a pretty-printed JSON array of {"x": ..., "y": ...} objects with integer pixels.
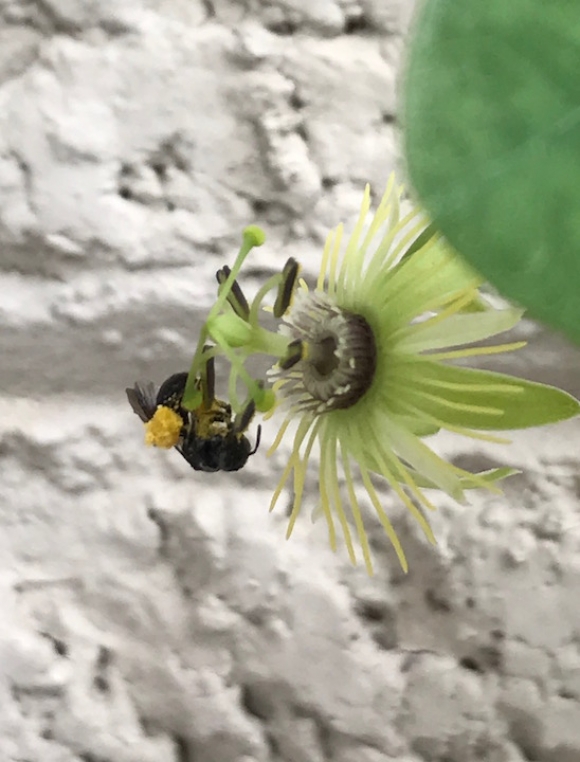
[{"x": 366, "y": 368}]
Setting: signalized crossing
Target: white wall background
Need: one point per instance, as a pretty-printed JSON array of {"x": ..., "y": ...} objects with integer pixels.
[{"x": 152, "y": 614}]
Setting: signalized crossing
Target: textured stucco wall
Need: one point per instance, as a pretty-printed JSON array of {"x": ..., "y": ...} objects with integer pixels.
[{"x": 152, "y": 614}]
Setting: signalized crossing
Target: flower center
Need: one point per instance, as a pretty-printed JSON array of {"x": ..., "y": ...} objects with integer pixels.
[
  {"x": 322, "y": 355},
  {"x": 339, "y": 358}
]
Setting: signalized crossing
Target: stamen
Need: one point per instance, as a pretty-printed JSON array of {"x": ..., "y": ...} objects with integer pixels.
[
  {"x": 236, "y": 298},
  {"x": 294, "y": 354},
  {"x": 286, "y": 287}
]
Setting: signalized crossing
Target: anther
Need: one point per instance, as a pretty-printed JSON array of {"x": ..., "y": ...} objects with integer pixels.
[
  {"x": 208, "y": 380},
  {"x": 286, "y": 288},
  {"x": 236, "y": 298},
  {"x": 294, "y": 353},
  {"x": 244, "y": 418}
]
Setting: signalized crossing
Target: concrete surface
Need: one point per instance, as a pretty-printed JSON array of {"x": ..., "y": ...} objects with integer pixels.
[{"x": 154, "y": 614}]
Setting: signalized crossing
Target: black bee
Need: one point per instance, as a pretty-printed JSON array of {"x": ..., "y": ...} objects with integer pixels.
[{"x": 211, "y": 439}]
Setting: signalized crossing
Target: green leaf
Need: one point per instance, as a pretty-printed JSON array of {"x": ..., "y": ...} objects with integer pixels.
[
  {"x": 491, "y": 109},
  {"x": 476, "y": 399}
]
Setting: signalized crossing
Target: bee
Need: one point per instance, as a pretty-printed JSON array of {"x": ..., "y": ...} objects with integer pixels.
[{"x": 210, "y": 438}]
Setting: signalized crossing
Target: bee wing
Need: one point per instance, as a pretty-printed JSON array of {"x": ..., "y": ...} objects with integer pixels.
[{"x": 142, "y": 398}]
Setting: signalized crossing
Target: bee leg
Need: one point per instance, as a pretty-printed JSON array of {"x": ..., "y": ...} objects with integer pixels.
[
  {"x": 258, "y": 437},
  {"x": 236, "y": 298},
  {"x": 286, "y": 287}
]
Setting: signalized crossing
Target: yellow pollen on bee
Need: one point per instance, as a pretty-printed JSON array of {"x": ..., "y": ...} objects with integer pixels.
[
  {"x": 164, "y": 428},
  {"x": 213, "y": 421}
]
